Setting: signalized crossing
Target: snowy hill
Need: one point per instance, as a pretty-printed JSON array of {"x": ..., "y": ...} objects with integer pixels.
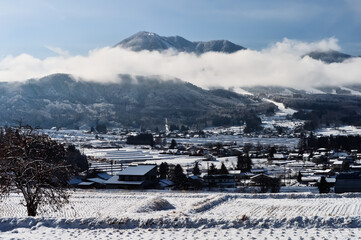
[
  {"x": 60, "y": 100},
  {"x": 153, "y": 42}
]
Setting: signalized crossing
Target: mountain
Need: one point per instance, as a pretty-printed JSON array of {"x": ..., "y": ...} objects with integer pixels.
[
  {"x": 60, "y": 100},
  {"x": 153, "y": 42},
  {"x": 329, "y": 56}
]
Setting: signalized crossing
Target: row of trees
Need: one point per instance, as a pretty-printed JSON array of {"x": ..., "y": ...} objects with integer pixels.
[
  {"x": 331, "y": 142},
  {"x": 180, "y": 180},
  {"x": 244, "y": 163}
]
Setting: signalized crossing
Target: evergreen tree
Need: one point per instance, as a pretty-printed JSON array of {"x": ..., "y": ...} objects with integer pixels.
[
  {"x": 163, "y": 170},
  {"x": 196, "y": 170},
  {"x": 212, "y": 170},
  {"x": 179, "y": 178},
  {"x": 101, "y": 128},
  {"x": 271, "y": 152},
  {"x": 253, "y": 123},
  {"x": 299, "y": 177},
  {"x": 244, "y": 163},
  {"x": 173, "y": 144},
  {"x": 323, "y": 186},
  {"x": 223, "y": 169},
  {"x": 78, "y": 161}
]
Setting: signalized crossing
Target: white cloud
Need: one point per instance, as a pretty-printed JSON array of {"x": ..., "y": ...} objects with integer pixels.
[
  {"x": 59, "y": 51},
  {"x": 280, "y": 64}
]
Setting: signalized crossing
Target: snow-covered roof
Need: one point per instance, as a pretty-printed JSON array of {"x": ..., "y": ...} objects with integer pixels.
[
  {"x": 115, "y": 180},
  {"x": 331, "y": 180},
  {"x": 165, "y": 182},
  {"x": 326, "y": 171},
  {"x": 310, "y": 179},
  {"x": 279, "y": 156},
  {"x": 136, "y": 170},
  {"x": 85, "y": 183},
  {"x": 105, "y": 176},
  {"x": 338, "y": 162},
  {"x": 75, "y": 181},
  {"x": 356, "y": 166},
  {"x": 97, "y": 180}
]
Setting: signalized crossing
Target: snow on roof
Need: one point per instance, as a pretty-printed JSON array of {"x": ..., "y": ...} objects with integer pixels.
[
  {"x": 165, "y": 182},
  {"x": 105, "y": 176},
  {"x": 115, "y": 180},
  {"x": 136, "y": 170},
  {"x": 279, "y": 156},
  {"x": 194, "y": 177},
  {"x": 75, "y": 181},
  {"x": 323, "y": 171},
  {"x": 331, "y": 180},
  {"x": 97, "y": 180},
  {"x": 85, "y": 183},
  {"x": 261, "y": 175},
  {"x": 310, "y": 179},
  {"x": 338, "y": 162},
  {"x": 356, "y": 166}
]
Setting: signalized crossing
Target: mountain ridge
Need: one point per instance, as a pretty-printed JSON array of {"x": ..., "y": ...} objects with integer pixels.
[
  {"x": 150, "y": 41},
  {"x": 330, "y": 56},
  {"x": 153, "y": 42},
  {"x": 62, "y": 101}
]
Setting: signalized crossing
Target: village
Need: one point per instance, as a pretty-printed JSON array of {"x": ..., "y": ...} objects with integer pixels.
[{"x": 217, "y": 161}]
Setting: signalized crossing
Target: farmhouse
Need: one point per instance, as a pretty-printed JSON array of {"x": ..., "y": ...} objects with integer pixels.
[
  {"x": 134, "y": 177},
  {"x": 348, "y": 182},
  {"x": 220, "y": 180}
]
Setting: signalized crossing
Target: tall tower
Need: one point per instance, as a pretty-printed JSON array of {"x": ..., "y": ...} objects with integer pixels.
[{"x": 166, "y": 126}]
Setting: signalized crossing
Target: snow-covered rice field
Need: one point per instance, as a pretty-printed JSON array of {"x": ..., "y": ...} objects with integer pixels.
[{"x": 115, "y": 214}]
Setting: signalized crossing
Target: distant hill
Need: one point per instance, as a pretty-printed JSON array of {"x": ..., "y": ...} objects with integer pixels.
[
  {"x": 153, "y": 42},
  {"x": 61, "y": 101},
  {"x": 329, "y": 56}
]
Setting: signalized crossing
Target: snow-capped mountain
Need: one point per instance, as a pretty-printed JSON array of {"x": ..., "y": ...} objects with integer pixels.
[
  {"x": 153, "y": 42},
  {"x": 329, "y": 56}
]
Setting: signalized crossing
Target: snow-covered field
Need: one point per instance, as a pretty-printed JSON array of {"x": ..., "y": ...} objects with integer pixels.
[{"x": 119, "y": 214}]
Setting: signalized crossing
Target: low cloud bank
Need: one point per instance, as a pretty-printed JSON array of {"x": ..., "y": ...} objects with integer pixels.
[{"x": 280, "y": 64}]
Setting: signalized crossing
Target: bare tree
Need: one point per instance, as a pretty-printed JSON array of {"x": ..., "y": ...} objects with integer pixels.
[{"x": 35, "y": 165}]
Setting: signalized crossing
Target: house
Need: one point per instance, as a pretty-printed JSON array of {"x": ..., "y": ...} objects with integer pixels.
[
  {"x": 134, "y": 177},
  {"x": 260, "y": 178},
  {"x": 339, "y": 165},
  {"x": 220, "y": 180},
  {"x": 348, "y": 182},
  {"x": 98, "y": 182},
  {"x": 165, "y": 184},
  {"x": 266, "y": 182}
]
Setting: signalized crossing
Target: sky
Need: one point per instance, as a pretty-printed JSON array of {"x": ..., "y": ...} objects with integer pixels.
[
  {"x": 39, "y": 38},
  {"x": 37, "y": 26}
]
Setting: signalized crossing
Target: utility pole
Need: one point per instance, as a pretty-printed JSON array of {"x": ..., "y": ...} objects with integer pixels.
[{"x": 284, "y": 174}]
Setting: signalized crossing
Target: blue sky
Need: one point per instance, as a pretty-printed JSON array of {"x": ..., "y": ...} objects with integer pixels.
[{"x": 34, "y": 26}]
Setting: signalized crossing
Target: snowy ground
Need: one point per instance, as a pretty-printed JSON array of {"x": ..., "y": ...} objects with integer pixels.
[
  {"x": 344, "y": 130},
  {"x": 116, "y": 214}
]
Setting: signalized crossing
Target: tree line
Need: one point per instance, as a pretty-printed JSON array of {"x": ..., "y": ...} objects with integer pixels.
[{"x": 346, "y": 143}]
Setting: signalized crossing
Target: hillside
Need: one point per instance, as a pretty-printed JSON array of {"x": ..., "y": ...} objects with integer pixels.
[{"x": 60, "y": 100}]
